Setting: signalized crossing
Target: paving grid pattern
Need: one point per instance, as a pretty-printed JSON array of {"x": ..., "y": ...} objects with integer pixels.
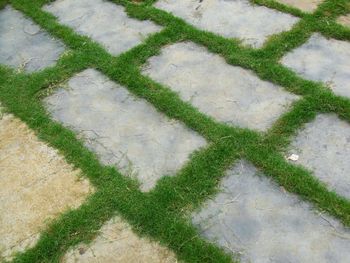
[{"x": 186, "y": 189}]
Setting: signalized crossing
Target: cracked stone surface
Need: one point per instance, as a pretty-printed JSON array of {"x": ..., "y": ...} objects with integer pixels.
[
  {"x": 323, "y": 147},
  {"x": 103, "y": 21},
  {"x": 24, "y": 45},
  {"x": 117, "y": 242},
  {"x": 344, "y": 20},
  {"x": 123, "y": 130},
  {"x": 325, "y": 60},
  {"x": 229, "y": 94},
  {"x": 231, "y": 18},
  {"x": 306, "y": 6},
  {"x": 36, "y": 185},
  {"x": 259, "y": 221}
]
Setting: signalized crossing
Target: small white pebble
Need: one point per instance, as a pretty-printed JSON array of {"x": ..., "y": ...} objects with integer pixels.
[{"x": 293, "y": 157}]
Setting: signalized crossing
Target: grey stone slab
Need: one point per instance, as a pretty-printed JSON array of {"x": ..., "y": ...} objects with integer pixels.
[
  {"x": 117, "y": 243},
  {"x": 306, "y": 6},
  {"x": 321, "y": 59},
  {"x": 123, "y": 130},
  {"x": 24, "y": 45},
  {"x": 103, "y": 21},
  {"x": 229, "y": 94},
  {"x": 231, "y": 18},
  {"x": 256, "y": 219},
  {"x": 323, "y": 146}
]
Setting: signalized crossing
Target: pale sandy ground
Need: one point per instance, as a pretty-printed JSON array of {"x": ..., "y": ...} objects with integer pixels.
[
  {"x": 36, "y": 185},
  {"x": 344, "y": 20}
]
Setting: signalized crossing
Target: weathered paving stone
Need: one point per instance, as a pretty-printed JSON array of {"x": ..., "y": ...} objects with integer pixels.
[
  {"x": 323, "y": 147},
  {"x": 232, "y": 19},
  {"x": 258, "y": 220},
  {"x": 344, "y": 20},
  {"x": 117, "y": 242},
  {"x": 123, "y": 130},
  {"x": 307, "y": 6},
  {"x": 104, "y": 22},
  {"x": 36, "y": 185},
  {"x": 229, "y": 94},
  {"x": 24, "y": 45},
  {"x": 321, "y": 59}
]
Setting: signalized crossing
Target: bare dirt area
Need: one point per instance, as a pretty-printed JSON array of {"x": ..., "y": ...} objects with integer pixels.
[{"x": 36, "y": 185}]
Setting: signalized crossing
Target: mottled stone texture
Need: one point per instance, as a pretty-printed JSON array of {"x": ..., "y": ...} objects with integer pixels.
[
  {"x": 103, "y": 21},
  {"x": 304, "y": 5},
  {"x": 123, "y": 130},
  {"x": 321, "y": 59},
  {"x": 233, "y": 19},
  {"x": 260, "y": 222},
  {"x": 24, "y": 45},
  {"x": 323, "y": 146},
  {"x": 344, "y": 20},
  {"x": 118, "y": 243},
  {"x": 36, "y": 185},
  {"x": 227, "y": 93}
]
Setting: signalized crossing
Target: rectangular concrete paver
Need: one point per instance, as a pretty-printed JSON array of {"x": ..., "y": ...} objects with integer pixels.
[
  {"x": 321, "y": 59},
  {"x": 304, "y": 5},
  {"x": 232, "y": 19},
  {"x": 123, "y": 130},
  {"x": 36, "y": 185},
  {"x": 103, "y": 21},
  {"x": 323, "y": 147},
  {"x": 257, "y": 220},
  {"x": 116, "y": 242},
  {"x": 229, "y": 94},
  {"x": 24, "y": 45}
]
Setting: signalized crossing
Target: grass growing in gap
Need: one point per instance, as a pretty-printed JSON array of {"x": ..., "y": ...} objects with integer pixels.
[{"x": 162, "y": 214}]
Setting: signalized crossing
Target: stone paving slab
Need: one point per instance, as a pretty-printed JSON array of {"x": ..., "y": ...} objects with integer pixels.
[
  {"x": 344, "y": 20},
  {"x": 257, "y": 219},
  {"x": 323, "y": 146},
  {"x": 123, "y": 130},
  {"x": 232, "y": 19},
  {"x": 104, "y": 22},
  {"x": 117, "y": 242},
  {"x": 36, "y": 185},
  {"x": 229, "y": 94},
  {"x": 321, "y": 59},
  {"x": 304, "y": 5},
  {"x": 24, "y": 45}
]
